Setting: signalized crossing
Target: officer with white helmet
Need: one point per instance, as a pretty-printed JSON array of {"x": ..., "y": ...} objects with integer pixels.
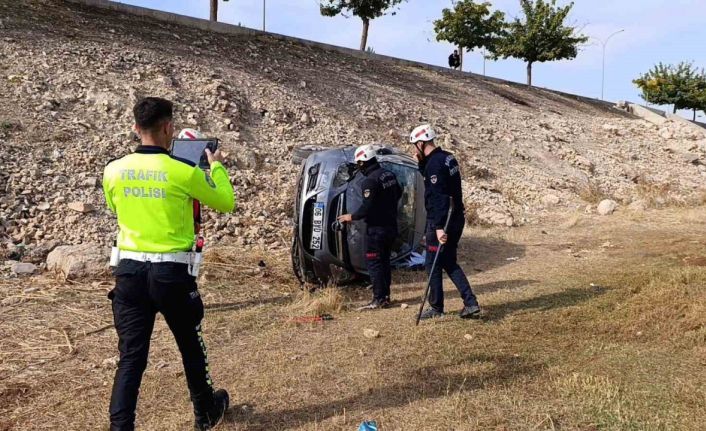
[
  {"x": 442, "y": 184},
  {"x": 381, "y": 193}
]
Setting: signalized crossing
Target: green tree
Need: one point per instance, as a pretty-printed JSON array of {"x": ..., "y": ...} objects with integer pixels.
[
  {"x": 470, "y": 25},
  {"x": 366, "y": 10},
  {"x": 700, "y": 98},
  {"x": 541, "y": 36},
  {"x": 696, "y": 90},
  {"x": 682, "y": 86}
]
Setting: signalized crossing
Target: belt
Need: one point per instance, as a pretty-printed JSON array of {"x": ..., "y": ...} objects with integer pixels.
[{"x": 185, "y": 257}]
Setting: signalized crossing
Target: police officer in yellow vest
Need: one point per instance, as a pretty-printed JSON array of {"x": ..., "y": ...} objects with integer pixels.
[{"x": 152, "y": 193}]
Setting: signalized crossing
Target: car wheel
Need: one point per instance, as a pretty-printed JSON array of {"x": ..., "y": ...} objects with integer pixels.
[
  {"x": 300, "y": 153},
  {"x": 296, "y": 261},
  {"x": 299, "y": 267}
]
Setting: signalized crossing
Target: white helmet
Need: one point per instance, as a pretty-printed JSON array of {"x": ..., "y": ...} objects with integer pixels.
[
  {"x": 424, "y": 133},
  {"x": 191, "y": 134},
  {"x": 366, "y": 152}
]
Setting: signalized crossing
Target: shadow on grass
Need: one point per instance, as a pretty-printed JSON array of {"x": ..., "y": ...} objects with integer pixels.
[
  {"x": 421, "y": 384},
  {"x": 488, "y": 253},
  {"x": 474, "y": 254},
  {"x": 566, "y": 298},
  {"x": 501, "y": 285},
  {"x": 449, "y": 289},
  {"x": 239, "y": 305}
]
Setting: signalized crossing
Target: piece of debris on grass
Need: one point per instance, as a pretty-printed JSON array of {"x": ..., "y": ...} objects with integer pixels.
[
  {"x": 368, "y": 426},
  {"x": 371, "y": 333},
  {"x": 468, "y": 337},
  {"x": 404, "y": 306},
  {"x": 311, "y": 319}
]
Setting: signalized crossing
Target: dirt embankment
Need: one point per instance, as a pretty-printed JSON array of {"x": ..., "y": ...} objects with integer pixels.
[{"x": 70, "y": 75}]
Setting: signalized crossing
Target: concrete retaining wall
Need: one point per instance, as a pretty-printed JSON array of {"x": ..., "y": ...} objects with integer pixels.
[
  {"x": 658, "y": 117},
  {"x": 648, "y": 114},
  {"x": 696, "y": 126}
]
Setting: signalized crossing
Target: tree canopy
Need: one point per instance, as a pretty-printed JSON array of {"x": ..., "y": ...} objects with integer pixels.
[
  {"x": 681, "y": 85},
  {"x": 470, "y": 25},
  {"x": 366, "y": 10},
  {"x": 541, "y": 35}
]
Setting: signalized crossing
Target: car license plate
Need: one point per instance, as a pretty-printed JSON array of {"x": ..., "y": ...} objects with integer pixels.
[{"x": 317, "y": 226}]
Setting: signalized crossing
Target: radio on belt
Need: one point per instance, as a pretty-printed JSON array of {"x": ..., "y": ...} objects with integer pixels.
[
  {"x": 114, "y": 255},
  {"x": 197, "y": 257}
]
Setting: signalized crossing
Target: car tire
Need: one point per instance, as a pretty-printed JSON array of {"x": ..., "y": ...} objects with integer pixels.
[{"x": 300, "y": 153}]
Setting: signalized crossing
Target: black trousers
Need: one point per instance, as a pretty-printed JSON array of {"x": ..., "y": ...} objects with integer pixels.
[
  {"x": 377, "y": 256},
  {"x": 447, "y": 262},
  {"x": 141, "y": 290}
]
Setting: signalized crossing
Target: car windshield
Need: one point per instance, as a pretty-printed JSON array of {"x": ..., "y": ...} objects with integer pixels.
[{"x": 406, "y": 177}]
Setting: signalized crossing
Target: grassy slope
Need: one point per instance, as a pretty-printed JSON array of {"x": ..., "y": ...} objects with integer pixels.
[{"x": 555, "y": 352}]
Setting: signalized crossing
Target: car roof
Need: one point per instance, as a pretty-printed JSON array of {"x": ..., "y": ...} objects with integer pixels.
[{"x": 346, "y": 155}]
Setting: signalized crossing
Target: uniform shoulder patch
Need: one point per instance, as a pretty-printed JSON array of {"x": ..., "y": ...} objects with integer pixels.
[
  {"x": 433, "y": 179},
  {"x": 366, "y": 193}
]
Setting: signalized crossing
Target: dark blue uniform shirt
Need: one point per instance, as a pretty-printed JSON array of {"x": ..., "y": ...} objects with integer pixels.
[
  {"x": 442, "y": 179},
  {"x": 380, "y": 195}
]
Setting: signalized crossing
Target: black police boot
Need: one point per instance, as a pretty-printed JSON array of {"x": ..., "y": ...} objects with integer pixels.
[
  {"x": 376, "y": 304},
  {"x": 472, "y": 312},
  {"x": 214, "y": 416},
  {"x": 430, "y": 313}
]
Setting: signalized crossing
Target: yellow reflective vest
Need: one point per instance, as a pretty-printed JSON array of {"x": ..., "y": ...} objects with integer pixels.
[{"x": 152, "y": 194}]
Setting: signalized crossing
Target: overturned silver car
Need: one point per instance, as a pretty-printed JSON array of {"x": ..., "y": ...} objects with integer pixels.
[{"x": 324, "y": 251}]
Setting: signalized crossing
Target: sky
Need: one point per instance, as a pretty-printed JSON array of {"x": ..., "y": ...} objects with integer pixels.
[{"x": 667, "y": 31}]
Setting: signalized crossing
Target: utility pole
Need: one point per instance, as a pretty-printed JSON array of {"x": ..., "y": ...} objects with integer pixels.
[
  {"x": 483, "y": 61},
  {"x": 603, "y": 67},
  {"x": 264, "y": 7}
]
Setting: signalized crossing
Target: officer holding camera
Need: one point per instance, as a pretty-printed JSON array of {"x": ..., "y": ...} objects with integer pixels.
[{"x": 152, "y": 194}]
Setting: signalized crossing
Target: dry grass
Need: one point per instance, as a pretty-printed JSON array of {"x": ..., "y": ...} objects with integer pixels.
[
  {"x": 596, "y": 338},
  {"x": 472, "y": 218},
  {"x": 655, "y": 195},
  {"x": 591, "y": 192},
  {"x": 572, "y": 221},
  {"x": 667, "y": 303},
  {"x": 318, "y": 303},
  {"x": 661, "y": 194}
]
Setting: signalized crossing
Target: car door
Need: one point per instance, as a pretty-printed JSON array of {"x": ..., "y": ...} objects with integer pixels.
[{"x": 410, "y": 218}]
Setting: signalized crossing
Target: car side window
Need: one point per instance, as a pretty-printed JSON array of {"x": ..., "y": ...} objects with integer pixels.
[
  {"x": 407, "y": 179},
  {"x": 344, "y": 173}
]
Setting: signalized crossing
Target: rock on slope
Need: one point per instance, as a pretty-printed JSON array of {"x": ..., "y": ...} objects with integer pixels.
[{"x": 69, "y": 76}]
